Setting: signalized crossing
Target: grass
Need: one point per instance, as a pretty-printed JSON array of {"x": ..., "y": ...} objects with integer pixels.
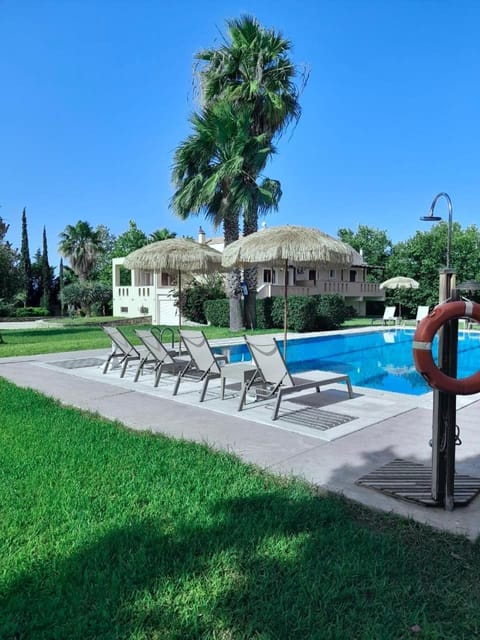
[
  {"x": 75, "y": 336},
  {"x": 110, "y": 534}
]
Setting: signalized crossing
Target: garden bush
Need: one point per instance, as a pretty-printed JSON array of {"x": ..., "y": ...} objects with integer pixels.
[
  {"x": 302, "y": 313},
  {"x": 31, "y": 312},
  {"x": 263, "y": 311},
  {"x": 6, "y": 310},
  {"x": 84, "y": 295},
  {"x": 217, "y": 312},
  {"x": 195, "y": 294},
  {"x": 331, "y": 311}
]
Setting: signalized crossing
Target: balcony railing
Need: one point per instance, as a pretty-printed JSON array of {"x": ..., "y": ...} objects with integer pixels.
[{"x": 345, "y": 289}]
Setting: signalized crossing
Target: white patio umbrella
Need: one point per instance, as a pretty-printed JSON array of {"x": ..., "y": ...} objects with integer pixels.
[
  {"x": 284, "y": 246},
  {"x": 400, "y": 282},
  {"x": 176, "y": 255}
]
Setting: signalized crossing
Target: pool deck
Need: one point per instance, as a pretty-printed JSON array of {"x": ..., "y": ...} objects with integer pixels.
[{"x": 356, "y": 437}]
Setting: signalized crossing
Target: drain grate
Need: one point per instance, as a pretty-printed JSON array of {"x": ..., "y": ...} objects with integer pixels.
[
  {"x": 78, "y": 363},
  {"x": 413, "y": 482},
  {"x": 314, "y": 418}
]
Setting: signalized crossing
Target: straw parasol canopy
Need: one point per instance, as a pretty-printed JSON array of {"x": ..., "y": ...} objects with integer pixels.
[
  {"x": 300, "y": 246},
  {"x": 288, "y": 245},
  {"x": 176, "y": 255},
  {"x": 399, "y": 282}
]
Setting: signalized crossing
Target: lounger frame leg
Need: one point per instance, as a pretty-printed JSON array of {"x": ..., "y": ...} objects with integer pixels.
[
  {"x": 179, "y": 378},
  {"x": 124, "y": 368},
  {"x": 243, "y": 396},
  {"x": 109, "y": 359},
  {"x": 140, "y": 368},
  {"x": 349, "y": 386},
  {"x": 204, "y": 388},
  {"x": 158, "y": 373},
  {"x": 277, "y": 405}
]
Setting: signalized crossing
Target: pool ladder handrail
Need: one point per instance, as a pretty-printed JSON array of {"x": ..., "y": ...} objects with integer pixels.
[{"x": 162, "y": 331}]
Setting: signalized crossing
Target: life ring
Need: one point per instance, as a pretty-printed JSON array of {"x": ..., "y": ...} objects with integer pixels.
[{"x": 422, "y": 348}]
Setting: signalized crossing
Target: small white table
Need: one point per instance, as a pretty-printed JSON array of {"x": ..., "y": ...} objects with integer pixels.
[{"x": 241, "y": 371}]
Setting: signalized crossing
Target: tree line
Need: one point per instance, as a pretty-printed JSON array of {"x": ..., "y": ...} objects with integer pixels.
[
  {"x": 248, "y": 91},
  {"x": 84, "y": 282}
]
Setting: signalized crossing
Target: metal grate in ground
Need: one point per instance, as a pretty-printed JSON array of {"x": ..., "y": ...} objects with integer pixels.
[
  {"x": 413, "y": 482},
  {"x": 314, "y": 418},
  {"x": 79, "y": 363}
]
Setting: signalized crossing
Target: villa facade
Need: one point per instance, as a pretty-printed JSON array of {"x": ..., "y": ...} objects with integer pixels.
[{"x": 151, "y": 293}]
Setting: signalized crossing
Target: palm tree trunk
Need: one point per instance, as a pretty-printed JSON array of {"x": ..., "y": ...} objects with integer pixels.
[
  {"x": 234, "y": 296},
  {"x": 250, "y": 225},
  {"x": 233, "y": 285}
]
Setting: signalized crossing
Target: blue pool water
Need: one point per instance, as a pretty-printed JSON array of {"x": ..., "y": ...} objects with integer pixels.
[{"x": 378, "y": 360}]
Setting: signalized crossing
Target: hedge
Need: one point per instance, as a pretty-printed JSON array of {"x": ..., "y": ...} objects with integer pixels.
[
  {"x": 217, "y": 312},
  {"x": 305, "y": 313}
]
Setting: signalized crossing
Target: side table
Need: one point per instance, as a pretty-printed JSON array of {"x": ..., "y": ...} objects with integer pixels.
[{"x": 241, "y": 371}]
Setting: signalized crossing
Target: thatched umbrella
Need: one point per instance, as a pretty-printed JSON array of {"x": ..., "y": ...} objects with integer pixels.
[
  {"x": 288, "y": 245},
  {"x": 399, "y": 282},
  {"x": 177, "y": 254}
]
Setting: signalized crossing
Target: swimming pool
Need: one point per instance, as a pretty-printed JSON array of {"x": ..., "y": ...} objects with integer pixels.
[{"x": 377, "y": 359}]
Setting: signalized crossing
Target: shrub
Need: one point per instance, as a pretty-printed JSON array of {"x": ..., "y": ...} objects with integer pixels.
[
  {"x": 7, "y": 310},
  {"x": 351, "y": 312},
  {"x": 217, "y": 312},
  {"x": 84, "y": 295},
  {"x": 302, "y": 313},
  {"x": 263, "y": 312},
  {"x": 31, "y": 312},
  {"x": 195, "y": 294},
  {"x": 374, "y": 308},
  {"x": 331, "y": 311}
]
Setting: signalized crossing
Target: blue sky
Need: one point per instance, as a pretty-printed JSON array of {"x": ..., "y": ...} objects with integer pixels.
[{"x": 95, "y": 96}]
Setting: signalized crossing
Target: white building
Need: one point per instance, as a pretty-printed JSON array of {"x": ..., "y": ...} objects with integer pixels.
[{"x": 150, "y": 293}]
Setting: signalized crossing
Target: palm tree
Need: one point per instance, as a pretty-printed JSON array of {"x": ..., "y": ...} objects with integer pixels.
[
  {"x": 253, "y": 68},
  {"x": 211, "y": 177},
  {"x": 81, "y": 245},
  {"x": 161, "y": 234}
]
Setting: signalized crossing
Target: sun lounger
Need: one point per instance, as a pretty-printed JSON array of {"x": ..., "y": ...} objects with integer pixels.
[
  {"x": 122, "y": 349},
  {"x": 422, "y": 312},
  {"x": 158, "y": 356},
  {"x": 275, "y": 377},
  {"x": 204, "y": 364},
  {"x": 388, "y": 316}
]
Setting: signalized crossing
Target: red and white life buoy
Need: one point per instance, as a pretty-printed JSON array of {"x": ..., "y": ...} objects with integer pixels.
[{"x": 422, "y": 348}]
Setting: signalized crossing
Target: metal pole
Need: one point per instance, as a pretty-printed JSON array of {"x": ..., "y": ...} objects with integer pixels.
[
  {"x": 433, "y": 218},
  {"x": 444, "y": 405},
  {"x": 285, "y": 312}
]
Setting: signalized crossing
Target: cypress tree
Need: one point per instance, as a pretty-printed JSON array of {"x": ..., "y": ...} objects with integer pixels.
[
  {"x": 60, "y": 285},
  {"x": 26, "y": 263},
  {"x": 46, "y": 274}
]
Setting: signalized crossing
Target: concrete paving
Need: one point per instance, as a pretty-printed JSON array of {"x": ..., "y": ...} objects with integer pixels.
[{"x": 373, "y": 428}]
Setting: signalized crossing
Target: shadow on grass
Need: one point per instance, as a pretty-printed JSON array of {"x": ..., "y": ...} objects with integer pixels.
[{"x": 270, "y": 567}]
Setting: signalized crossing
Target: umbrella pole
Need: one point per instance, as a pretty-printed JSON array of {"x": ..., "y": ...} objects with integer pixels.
[
  {"x": 179, "y": 303},
  {"x": 285, "y": 312}
]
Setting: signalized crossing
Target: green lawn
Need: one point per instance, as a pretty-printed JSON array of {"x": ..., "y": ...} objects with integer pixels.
[
  {"x": 112, "y": 534},
  {"x": 75, "y": 336}
]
